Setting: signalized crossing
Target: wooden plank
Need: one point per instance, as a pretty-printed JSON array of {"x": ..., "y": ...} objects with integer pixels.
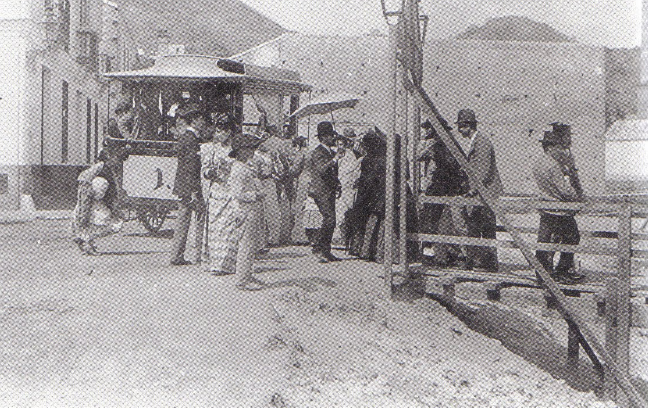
[
  {"x": 526, "y": 205},
  {"x": 573, "y": 344},
  {"x": 568, "y": 312},
  {"x": 623, "y": 294},
  {"x": 611, "y": 337},
  {"x": 587, "y": 248}
]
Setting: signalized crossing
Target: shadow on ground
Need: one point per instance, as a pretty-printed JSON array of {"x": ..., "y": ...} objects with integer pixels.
[
  {"x": 311, "y": 284},
  {"x": 526, "y": 337},
  {"x": 117, "y": 253},
  {"x": 273, "y": 256},
  {"x": 165, "y": 233}
]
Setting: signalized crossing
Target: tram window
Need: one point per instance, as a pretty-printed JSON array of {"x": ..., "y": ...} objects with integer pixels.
[{"x": 154, "y": 105}]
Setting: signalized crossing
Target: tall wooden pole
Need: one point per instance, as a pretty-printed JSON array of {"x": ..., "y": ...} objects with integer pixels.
[
  {"x": 402, "y": 187},
  {"x": 389, "y": 176}
]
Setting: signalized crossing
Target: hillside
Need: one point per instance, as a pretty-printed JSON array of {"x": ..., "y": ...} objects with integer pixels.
[
  {"x": 223, "y": 28},
  {"x": 514, "y": 28}
]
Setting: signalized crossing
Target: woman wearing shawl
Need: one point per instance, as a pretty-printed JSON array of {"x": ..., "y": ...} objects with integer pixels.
[{"x": 232, "y": 233}]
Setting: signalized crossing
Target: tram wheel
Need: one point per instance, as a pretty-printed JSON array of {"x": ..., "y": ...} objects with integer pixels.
[{"x": 152, "y": 218}]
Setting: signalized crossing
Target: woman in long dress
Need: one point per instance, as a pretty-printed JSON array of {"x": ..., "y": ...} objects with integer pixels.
[
  {"x": 368, "y": 213},
  {"x": 302, "y": 180},
  {"x": 232, "y": 232}
]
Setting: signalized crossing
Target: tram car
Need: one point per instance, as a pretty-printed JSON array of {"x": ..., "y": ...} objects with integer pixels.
[{"x": 141, "y": 130}]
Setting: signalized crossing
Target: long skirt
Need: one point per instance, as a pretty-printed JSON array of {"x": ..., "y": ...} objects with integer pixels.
[
  {"x": 271, "y": 211},
  {"x": 85, "y": 230},
  {"x": 226, "y": 219},
  {"x": 298, "y": 235},
  {"x": 367, "y": 240}
]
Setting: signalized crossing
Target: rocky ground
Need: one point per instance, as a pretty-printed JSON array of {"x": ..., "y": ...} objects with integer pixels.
[{"x": 124, "y": 329}]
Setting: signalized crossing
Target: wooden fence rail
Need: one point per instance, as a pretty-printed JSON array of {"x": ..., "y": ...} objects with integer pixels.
[{"x": 612, "y": 293}]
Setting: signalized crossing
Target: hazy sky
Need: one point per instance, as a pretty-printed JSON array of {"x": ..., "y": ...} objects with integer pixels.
[{"x": 615, "y": 23}]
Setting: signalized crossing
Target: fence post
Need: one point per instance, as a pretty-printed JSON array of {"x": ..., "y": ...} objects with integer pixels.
[{"x": 618, "y": 304}]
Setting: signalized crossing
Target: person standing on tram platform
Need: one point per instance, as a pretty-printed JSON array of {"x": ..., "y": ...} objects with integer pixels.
[{"x": 187, "y": 186}]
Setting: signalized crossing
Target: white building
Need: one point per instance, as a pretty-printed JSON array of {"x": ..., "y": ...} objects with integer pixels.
[
  {"x": 626, "y": 150},
  {"x": 53, "y": 106}
]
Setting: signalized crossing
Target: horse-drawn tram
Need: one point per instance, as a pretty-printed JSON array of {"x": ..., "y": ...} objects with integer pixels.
[{"x": 141, "y": 131}]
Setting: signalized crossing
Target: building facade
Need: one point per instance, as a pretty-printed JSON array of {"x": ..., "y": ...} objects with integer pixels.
[{"x": 54, "y": 103}]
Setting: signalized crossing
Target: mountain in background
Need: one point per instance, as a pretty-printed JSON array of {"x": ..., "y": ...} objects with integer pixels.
[
  {"x": 514, "y": 28},
  {"x": 209, "y": 27}
]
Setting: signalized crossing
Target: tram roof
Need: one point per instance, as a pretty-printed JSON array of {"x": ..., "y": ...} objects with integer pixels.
[{"x": 208, "y": 68}]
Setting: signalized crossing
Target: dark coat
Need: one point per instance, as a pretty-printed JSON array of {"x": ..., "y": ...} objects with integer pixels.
[
  {"x": 324, "y": 173},
  {"x": 447, "y": 179},
  {"x": 187, "y": 179}
]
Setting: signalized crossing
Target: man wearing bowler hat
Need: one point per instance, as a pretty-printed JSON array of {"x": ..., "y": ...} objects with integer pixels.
[
  {"x": 557, "y": 178},
  {"x": 324, "y": 188},
  {"x": 480, "y": 220},
  {"x": 187, "y": 186}
]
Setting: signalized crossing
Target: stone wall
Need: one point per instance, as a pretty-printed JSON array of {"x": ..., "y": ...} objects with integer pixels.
[{"x": 516, "y": 88}]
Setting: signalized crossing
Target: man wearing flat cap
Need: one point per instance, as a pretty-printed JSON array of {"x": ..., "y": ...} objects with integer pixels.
[
  {"x": 480, "y": 220},
  {"x": 324, "y": 188},
  {"x": 557, "y": 179},
  {"x": 190, "y": 123}
]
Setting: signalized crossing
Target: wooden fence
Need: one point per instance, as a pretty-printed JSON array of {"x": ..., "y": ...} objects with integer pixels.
[{"x": 613, "y": 289}]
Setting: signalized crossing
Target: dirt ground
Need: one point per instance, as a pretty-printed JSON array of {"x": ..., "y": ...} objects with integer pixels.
[{"x": 124, "y": 329}]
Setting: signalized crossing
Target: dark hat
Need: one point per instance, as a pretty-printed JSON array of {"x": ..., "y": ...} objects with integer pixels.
[
  {"x": 242, "y": 140},
  {"x": 325, "y": 129},
  {"x": 563, "y": 131},
  {"x": 373, "y": 140},
  {"x": 550, "y": 138},
  {"x": 466, "y": 116},
  {"x": 189, "y": 110}
]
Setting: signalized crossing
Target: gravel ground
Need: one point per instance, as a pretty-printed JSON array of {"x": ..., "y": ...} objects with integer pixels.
[{"x": 126, "y": 330}]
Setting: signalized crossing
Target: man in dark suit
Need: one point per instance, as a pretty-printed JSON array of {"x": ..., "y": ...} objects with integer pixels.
[
  {"x": 480, "y": 220},
  {"x": 324, "y": 188},
  {"x": 190, "y": 123}
]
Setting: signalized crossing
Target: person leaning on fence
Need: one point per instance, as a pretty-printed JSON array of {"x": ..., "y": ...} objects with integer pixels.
[
  {"x": 480, "y": 220},
  {"x": 445, "y": 179},
  {"x": 187, "y": 186},
  {"x": 557, "y": 178},
  {"x": 95, "y": 214}
]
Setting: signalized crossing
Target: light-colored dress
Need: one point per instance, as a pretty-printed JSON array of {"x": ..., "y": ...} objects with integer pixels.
[
  {"x": 92, "y": 219},
  {"x": 233, "y": 210},
  {"x": 214, "y": 158}
]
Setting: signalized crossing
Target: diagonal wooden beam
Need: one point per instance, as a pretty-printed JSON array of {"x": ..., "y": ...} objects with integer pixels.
[{"x": 587, "y": 337}]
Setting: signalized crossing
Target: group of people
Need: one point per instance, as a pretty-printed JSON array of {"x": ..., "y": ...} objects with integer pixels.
[
  {"x": 246, "y": 191},
  {"x": 556, "y": 177}
]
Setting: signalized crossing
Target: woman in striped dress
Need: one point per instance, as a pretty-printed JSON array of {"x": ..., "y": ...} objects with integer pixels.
[{"x": 231, "y": 235}]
